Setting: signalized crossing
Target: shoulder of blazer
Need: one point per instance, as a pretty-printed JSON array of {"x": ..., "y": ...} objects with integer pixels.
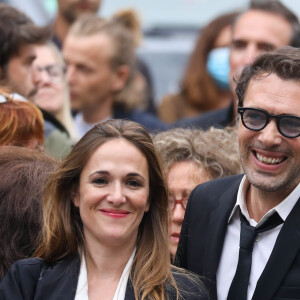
[
  {"x": 205, "y": 199},
  {"x": 218, "y": 118},
  {"x": 189, "y": 285},
  {"x": 22, "y": 268},
  {"x": 21, "y": 280},
  {"x": 209, "y": 193},
  {"x": 35, "y": 278}
]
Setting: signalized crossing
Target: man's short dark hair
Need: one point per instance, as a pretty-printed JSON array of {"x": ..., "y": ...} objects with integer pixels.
[
  {"x": 276, "y": 7},
  {"x": 16, "y": 30},
  {"x": 283, "y": 62}
]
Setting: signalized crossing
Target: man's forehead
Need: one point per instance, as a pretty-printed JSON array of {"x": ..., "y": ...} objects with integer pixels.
[
  {"x": 82, "y": 48},
  {"x": 84, "y": 41},
  {"x": 270, "y": 83},
  {"x": 263, "y": 26},
  {"x": 26, "y": 50}
]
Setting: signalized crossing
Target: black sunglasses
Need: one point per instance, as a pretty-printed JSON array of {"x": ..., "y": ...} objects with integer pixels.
[{"x": 257, "y": 119}]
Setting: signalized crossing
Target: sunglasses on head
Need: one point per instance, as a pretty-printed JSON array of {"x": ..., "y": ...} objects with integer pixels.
[
  {"x": 2, "y": 99},
  {"x": 257, "y": 119}
]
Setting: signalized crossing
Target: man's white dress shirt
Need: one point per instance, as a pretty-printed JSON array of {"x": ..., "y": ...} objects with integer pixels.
[
  {"x": 263, "y": 245},
  {"x": 83, "y": 127}
]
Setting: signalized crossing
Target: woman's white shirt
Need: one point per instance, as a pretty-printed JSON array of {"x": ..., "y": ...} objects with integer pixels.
[{"x": 82, "y": 286}]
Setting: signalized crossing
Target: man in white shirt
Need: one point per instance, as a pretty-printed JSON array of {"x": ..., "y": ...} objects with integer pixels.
[
  {"x": 220, "y": 214},
  {"x": 100, "y": 59}
]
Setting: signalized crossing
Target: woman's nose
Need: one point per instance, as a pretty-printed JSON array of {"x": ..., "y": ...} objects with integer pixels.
[
  {"x": 116, "y": 194},
  {"x": 178, "y": 213}
]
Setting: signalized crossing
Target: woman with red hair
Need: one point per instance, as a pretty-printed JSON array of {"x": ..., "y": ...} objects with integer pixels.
[{"x": 21, "y": 123}]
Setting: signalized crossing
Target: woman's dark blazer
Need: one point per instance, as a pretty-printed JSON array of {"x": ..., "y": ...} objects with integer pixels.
[{"x": 32, "y": 279}]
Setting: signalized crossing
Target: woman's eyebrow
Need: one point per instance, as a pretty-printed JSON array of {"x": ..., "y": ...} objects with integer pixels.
[
  {"x": 133, "y": 174},
  {"x": 100, "y": 173}
]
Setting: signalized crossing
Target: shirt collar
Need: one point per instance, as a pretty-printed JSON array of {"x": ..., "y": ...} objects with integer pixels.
[
  {"x": 283, "y": 208},
  {"x": 82, "y": 126}
]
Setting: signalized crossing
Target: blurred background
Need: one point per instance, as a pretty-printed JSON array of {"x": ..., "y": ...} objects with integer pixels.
[{"x": 170, "y": 28}]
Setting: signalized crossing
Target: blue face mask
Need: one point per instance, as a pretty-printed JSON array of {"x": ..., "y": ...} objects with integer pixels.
[{"x": 218, "y": 66}]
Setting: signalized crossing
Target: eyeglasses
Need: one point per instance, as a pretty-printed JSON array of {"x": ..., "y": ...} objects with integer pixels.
[
  {"x": 55, "y": 72},
  {"x": 173, "y": 202},
  {"x": 257, "y": 119}
]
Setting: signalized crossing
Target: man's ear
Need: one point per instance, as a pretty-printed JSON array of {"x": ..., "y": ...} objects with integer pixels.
[{"x": 121, "y": 76}]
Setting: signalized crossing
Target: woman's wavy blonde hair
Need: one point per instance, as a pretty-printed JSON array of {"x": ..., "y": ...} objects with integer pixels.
[{"x": 63, "y": 228}]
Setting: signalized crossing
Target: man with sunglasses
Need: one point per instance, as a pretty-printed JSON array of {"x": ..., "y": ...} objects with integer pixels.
[{"x": 242, "y": 233}]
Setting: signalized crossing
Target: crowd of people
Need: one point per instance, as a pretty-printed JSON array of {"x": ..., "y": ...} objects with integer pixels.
[{"x": 105, "y": 196}]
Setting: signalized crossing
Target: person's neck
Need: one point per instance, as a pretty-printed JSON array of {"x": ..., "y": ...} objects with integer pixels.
[
  {"x": 59, "y": 115},
  {"x": 97, "y": 114},
  {"x": 61, "y": 27},
  {"x": 112, "y": 260},
  {"x": 260, "y": 202}
]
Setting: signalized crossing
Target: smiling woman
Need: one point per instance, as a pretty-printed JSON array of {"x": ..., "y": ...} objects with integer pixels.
[
  {"x": 114, "y": 198},
  {"x": 106, "y": 219}
]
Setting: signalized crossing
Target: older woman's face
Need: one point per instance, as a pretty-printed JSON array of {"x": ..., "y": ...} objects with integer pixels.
[
  {"x": 51, "y": 84},
  {"x": 182, "y": 178},
  {"x": 113, "y": 194}
]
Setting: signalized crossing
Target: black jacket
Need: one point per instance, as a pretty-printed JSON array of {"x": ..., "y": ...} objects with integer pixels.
[
  {"x": 32, "y": 279},
  {"x": 149, "y": 121},
  {"x": 203, "y": 232},
  {"x": 218, "y": 118}
]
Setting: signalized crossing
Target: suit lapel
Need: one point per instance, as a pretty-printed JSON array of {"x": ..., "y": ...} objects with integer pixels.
[
  {"x": 216, "y": 232},
  {"x": 285, "y": 250},
  {"x": 59, "y": 281}
]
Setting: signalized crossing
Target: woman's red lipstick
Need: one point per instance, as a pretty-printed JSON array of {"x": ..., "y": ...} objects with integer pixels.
[
  {"x": 115, "y": 213},
  {"x": 175, "y": 236}
]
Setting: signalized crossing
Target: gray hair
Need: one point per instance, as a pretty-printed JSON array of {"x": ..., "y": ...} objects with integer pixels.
[{"x": 216, "y": 150}]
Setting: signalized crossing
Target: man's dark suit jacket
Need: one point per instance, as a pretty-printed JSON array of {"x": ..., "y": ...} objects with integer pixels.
[
  {"x": 218, "y": 118},
  {"x": 32, "y": 279},
  {"x": 203, "y": 232},
  {"x": 149, "y": 121}
]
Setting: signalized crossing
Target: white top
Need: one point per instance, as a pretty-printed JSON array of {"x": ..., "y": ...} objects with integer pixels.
[
  {"x": 263, "y": 245},
  {"x": 83, "y": 127},
  {"x": 82, "y": 286}
]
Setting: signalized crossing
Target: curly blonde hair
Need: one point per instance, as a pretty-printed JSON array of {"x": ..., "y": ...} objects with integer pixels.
[{"x": 216, "y": 150}]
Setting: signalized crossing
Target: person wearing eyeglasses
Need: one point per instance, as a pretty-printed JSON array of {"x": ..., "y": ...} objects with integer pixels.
[
  {"x": 191, "y": 157},
  {"x": 19, "y": 38},
  {"x": 53, "y": 91},
  {"x": 242, "y": 233}
]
